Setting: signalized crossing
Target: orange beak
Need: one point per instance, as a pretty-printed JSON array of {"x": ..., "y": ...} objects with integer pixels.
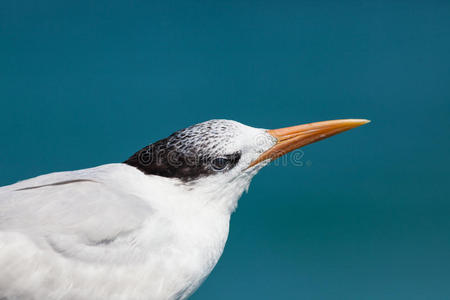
[{"x": 291, "y": 138}]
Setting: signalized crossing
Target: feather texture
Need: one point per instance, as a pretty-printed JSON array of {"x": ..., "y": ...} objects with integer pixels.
[{"x": 100, "y": 234}]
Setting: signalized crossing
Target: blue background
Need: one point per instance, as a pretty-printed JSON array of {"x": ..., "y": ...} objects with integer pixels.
[{"x": 367, "y": 216}]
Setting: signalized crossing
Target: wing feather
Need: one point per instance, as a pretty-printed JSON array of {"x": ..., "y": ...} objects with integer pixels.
[{"x": 85, "y": 219}]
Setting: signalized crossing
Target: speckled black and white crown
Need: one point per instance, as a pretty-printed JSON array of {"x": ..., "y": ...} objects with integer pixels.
[{"x": 199, "y": 150}]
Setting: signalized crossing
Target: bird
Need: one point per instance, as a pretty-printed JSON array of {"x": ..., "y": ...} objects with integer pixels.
[{"x": 151, "y": 227}]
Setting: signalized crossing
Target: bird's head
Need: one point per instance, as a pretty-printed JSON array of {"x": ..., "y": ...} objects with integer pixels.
[{"x": 222, "y": 156}]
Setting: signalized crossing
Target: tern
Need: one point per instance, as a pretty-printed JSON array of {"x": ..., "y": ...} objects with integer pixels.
[{"x": 152, "y": 227}]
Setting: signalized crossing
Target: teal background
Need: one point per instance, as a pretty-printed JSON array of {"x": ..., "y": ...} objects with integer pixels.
[{"x": 367, "y": 215}]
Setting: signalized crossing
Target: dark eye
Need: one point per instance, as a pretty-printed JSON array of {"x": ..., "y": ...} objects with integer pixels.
[{"x": 220, "y": 163}]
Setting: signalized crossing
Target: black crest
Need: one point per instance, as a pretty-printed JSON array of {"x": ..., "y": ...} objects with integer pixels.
[{"x": 189, "y": 153}]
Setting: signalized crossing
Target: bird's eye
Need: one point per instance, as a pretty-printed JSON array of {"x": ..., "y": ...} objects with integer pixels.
[{"x": 219, "y": 163}]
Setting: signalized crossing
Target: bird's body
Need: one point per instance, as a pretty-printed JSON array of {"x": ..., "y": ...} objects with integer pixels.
[
  {"x": 109, "y": 232},
  {"x": 152, "y": 227}
]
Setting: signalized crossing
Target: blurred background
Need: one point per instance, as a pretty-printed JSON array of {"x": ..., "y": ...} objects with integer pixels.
[{"x": 365, "y": 215}]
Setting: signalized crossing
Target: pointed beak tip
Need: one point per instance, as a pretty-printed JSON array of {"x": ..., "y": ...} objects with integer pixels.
[
  {"x": 364, "y": 121},
  {"x": 359, "y": 122}
]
